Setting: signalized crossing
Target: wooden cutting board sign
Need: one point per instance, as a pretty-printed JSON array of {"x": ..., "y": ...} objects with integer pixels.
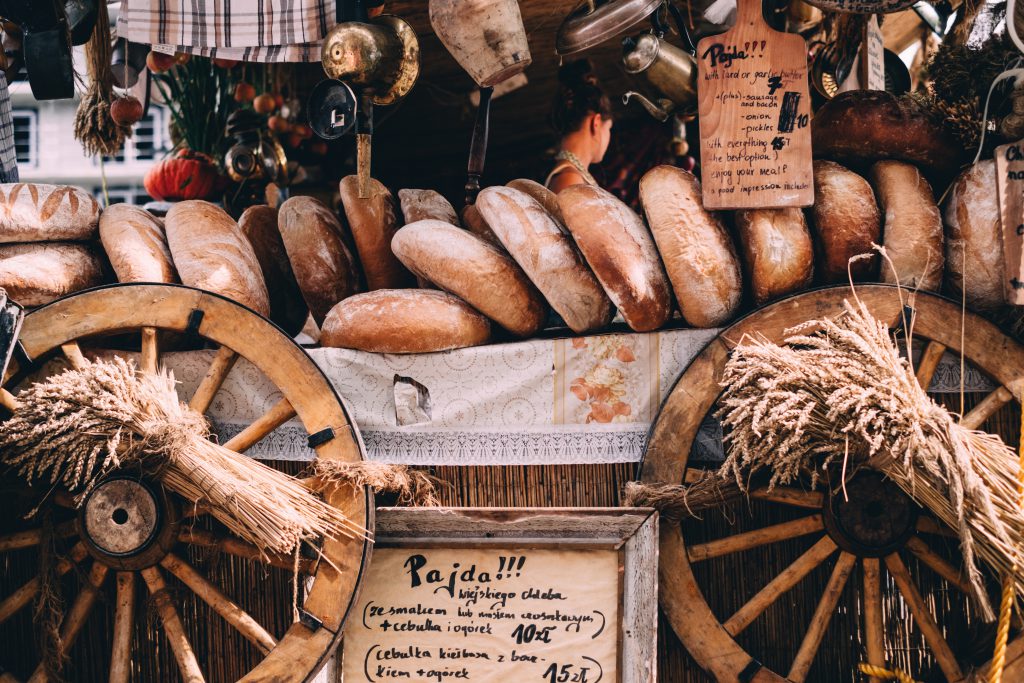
[
  {"x": 755, "y": 116},
  {"x": 1010, "y": 187}
]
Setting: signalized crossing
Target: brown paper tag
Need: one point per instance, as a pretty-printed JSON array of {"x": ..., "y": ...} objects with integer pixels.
[{"x": 1010, "y": 186}]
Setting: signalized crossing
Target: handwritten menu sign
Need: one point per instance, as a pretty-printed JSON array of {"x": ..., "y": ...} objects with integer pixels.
[
  {"x": 1010, "y": 188},
  {"x": 872, "y": 56},
  {"x": 755, "y": 116},
  {"x": 434, "y": 615}
]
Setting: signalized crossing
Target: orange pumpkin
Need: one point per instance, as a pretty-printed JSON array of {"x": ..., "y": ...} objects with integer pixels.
[{"x": 188, "y": 175}]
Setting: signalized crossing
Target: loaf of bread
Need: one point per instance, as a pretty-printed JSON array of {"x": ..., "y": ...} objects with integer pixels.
[
  {"x": 287, "y": 307},
  {"x": 695, "y": 247},
  {"x": 547, "y": 198},
  {"x": 373, "y": 222},
  {"x": 211, "y": 253},
  {"x": 912, "y": 234},
  {"x": 547, "y": 255},
  {"x": 777, "y": 250},
  {"x": 620, "y": 251},
  {"x": 323, "y": 266},
  {"x": 404, "y": 321},
  {"x": 846, "y": 222},
  {"x": 463, "y": 264},
  {"x": 974, "y": 241},
  {"x": 418, "y": 205},
  {"x": 30, "y": 212},
  {"x": 475, "y": 223},
  {"x": 863, "y": 126},
  {"x": 36, "y": 274},
  {"x": 136, "y": 245}
]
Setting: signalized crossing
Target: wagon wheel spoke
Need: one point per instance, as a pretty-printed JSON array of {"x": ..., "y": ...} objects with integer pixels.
[
  {"x": 221, "y": 603},
  {"x": 754, "y": 539},
  {"x": 822, "y": 616},
  {"x": 239, "y": 548},
  {"x": 211, "y": 383},
  {"x": 986, "y": 408},
  {"x": 279, "y": 413},
  {"x": 930, "y": 525},
  {"x": 73, "y": 353},
  {"x": 812, "y": 500},
  {"x": 928, "y": 363},
  {"x": 932, "y": 634},
  {"x": 8, "y": 401},
  {"x": 150, "y": 356},
  {"x": 33, "y": 537},
  {"x": 23, "y": 595},
  {"x": 173, "y": 629},
  {"x": 938, "y": 564},
  {"x": 77, "y": 615},
  {"x": 874, "y": 633},
  {"x": 789, "y": 577},
  {"x": 124, "y": 624}
]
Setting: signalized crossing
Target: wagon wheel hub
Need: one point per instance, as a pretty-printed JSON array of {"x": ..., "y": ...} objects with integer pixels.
[
  {"x": 872, "y": 518},
  {"x": 127, "y": 523}
]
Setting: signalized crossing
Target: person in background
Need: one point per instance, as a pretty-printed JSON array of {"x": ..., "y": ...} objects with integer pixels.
[{"x": 581, "y": 115}]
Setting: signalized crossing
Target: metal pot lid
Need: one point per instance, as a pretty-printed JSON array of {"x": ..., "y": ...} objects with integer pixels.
[
  {"x": 332, "y": 109},
  {"x": 582, "y": 30},
  {"x": 390, "y": 65},
  {"x": 639, "y": 53}
]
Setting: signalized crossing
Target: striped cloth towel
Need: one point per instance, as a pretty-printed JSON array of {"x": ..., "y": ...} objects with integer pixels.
[
  {"x": 8, "y": 155},
  {"x": 248, "y": 30}
]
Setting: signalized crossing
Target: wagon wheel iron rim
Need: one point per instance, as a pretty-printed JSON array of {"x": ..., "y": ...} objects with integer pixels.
[
  {"x": 713, "y": 642},
  {"x": 131, "y": 533}
]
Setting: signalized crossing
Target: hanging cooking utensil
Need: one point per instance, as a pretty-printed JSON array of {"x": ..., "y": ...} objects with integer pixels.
[
  {"x": 127, "y": 61},
  {"x": 45, "y": 44},
  {"x": 671, "y": 71},
  {"x": 81, "y": 17},
  {"x": 478, "y": 146},
  {"x": 590, "y": 24},
  {"x": 332, "y": 109}
]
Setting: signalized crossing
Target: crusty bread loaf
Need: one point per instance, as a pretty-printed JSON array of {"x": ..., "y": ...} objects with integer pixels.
[
  {"x": 846, "y": 221},
  {"x": 777, "y": 250},
  {"x": 463, "y": 264},
  {"x": 695, "y": 247},
  {"x": 136, "y": 245},
  {"x": 418, "y": 205},
  {"x": 30, "y": 212},
  {"x": 912, "y": 235},
  {"x": 373, "y": 222},
  {"x": 475, "y": 223},
  {"x": 620, "y": 251},
  {"x": 36, "y": 274},
  {"x": 547, "y": 198},
  {"x": 210, "y": 252},
  {"x": 547, "y": 255},
  {"x": 974, "y": 241},
  {"x": 323, "y": 266},
  {"x": 287, "y": 307},
  {"x": 404, "y": 321}
]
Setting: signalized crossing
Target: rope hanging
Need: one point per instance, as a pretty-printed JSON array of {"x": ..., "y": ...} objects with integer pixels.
[{"x": 886, "y": 674}]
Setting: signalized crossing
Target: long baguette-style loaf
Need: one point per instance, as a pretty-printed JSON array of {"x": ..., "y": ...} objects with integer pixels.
[
  {"x": 136, "y": 245},
  {"x": 373, "y": 222},
  {"x": 210, "y": 252},
  {"x": 31, "y": 212},
  {"x": 287, "y": 307},
  {"x": 36, "y": 274}
]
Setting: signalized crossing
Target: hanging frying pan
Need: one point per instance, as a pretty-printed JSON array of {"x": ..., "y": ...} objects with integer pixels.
[{"x": 332, "y": 109}]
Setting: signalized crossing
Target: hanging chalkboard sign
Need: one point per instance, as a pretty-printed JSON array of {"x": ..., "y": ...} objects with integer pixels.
[
  {"x": 755, "y": 116},
  {"x": 1010, "y": 187}
]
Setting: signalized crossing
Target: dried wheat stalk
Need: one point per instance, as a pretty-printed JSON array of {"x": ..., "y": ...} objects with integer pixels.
[
  {"x": 840, "y": 386},
  {"x": 78, "y": 426}
]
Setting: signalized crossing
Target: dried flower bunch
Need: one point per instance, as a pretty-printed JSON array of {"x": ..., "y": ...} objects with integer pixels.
[
  {"x": 76, "y": 427},
  {"x": 839, "y": 393}
]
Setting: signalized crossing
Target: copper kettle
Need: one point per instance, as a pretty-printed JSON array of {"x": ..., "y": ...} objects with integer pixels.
[{"x": 670, "y": 70}]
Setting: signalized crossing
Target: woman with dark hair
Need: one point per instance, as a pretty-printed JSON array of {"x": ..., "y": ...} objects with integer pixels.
[{"x": 581, "y": 115}]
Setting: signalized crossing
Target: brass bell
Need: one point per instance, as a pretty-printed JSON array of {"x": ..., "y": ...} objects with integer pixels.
[{"x": 381, "y": 55}]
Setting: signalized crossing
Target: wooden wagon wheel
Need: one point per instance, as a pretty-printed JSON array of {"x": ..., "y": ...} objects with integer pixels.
[
  {"x": 132, "y": 538},
  {"x": 876, "y": 529}
]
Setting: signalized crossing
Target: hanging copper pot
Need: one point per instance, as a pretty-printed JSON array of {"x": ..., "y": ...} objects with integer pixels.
[
  {"x": 486, "y": 37},
  {"x": 381, "y": 55}
]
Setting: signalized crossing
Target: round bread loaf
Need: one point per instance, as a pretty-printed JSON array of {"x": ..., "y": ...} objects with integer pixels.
[
  {"x": 475, "y": 223},
  {"x": 287, "y": 307},
  {"x": 419, "y": 205},
  {"x": 404, "y": 321},
  {"x": 373, "y": 222},
  {"x": 620, "y": 251},
  {"x": 211, "y": 253},
  {"x": 548, "y": 256},
  {"x": 136, "y": 245},
  {"x": 912, "y": 234},
  {"x": 36, "y": 274},
  {"x": 323, "y": 266},
  {"x": 846, "y": 222},
  {"x": 547, "y": 198},
  {"x": 462, "y": 264},
  {"x": 863, "y": 126},
  {"x": 695, "y": 247},
  {"x": 31, "y": 212},
  {"x": 974, "y": 241},
  {"x": 777, "y": 250}
]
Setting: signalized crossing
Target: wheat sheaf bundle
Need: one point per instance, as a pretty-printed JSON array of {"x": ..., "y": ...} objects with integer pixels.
[
  {"x": 837, "y": 393},
  {"x": 78, "y": 426}
]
